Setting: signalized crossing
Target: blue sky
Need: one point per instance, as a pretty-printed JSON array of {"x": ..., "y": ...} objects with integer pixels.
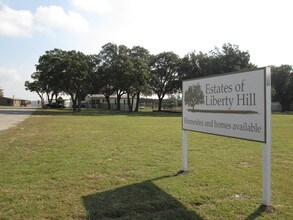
[{"x": 29, "y": 28}]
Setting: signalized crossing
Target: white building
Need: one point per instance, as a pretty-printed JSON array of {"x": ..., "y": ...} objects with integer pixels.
[{"x": 99, "y": 101}]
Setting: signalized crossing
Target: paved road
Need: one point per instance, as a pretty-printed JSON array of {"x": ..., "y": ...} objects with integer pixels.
[{"x": 12, "y": 116}]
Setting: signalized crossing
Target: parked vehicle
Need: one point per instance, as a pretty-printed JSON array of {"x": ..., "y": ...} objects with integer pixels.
[{"x": 55, "y": 105}]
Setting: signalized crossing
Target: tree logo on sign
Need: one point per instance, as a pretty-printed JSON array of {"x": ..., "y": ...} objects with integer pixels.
[{"x": 193, "y": 96}]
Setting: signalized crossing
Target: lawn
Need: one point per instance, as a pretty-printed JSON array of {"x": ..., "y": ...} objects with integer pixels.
[{"x": 103, "y": 165}]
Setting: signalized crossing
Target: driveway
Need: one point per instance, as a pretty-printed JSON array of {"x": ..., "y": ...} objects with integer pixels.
[{"x": 10, "y": 117}]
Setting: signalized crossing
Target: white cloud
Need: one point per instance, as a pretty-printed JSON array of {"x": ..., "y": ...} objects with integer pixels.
[
  {"x": 12, "y": 84},
  {"x": 261, "y": 27},
  {"x": 15, "y": 23},
  {"x": 8, "y": 75},
  {"x": 56, "y": 17},
  {"x": 99, "y": 6},
  {"x": 22, "y": 23}
]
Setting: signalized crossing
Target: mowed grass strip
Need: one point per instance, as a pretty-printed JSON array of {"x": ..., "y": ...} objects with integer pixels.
[{"x": 103, "y": 165}]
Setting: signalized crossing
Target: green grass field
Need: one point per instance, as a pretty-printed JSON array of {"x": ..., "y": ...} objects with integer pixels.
[{"x": 105, "y": 165}]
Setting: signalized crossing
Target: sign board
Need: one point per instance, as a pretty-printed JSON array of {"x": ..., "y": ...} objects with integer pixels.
[
  {"x": 235, "y": 105},
  {"x": 232, "y": 105}
]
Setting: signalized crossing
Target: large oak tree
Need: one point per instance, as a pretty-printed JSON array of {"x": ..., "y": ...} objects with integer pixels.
[
  {"x": 164, "y": 78},
  {"x": 228, "y": 58},
  {"x": 68, "y": 72},
  {"x": 115, "y": 64},
  {"x": 137, "y": 78}
]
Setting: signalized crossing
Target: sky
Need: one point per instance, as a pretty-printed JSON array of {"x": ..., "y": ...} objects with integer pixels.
[{"x": 29, "y": 28}]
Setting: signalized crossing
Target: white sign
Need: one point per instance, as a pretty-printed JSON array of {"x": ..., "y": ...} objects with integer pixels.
[{"x": 232, "y": 105}]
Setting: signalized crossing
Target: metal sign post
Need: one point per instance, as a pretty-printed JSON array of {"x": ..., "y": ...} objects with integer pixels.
[
  {"x": 184, "y": 150},
  {"x": 266, "y": 147}
]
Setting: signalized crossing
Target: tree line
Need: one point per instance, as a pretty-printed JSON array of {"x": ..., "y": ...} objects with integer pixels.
[{"x": 120, "y": 70}]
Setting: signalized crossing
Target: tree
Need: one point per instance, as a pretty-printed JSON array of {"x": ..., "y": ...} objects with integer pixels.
[
  {"x": 137, "y": 79},
  {"x": 164, "y": 78},
  {"x": 282, "y": 84},
  {"x": 61, "y": 71},
  {"x": 193, "y": 96},
  {"x": 35, "y": 86},
  {"x": 194, "y": 65},
  {"x": 49, "y": 73},
  {"x": 1, "y": 92},
  {"x": 115, "y": 63},
  {"x": 229, "y": 59},
  {"x": 123, "y": 72},
  {"x": 104, "y": 82},
  {"x": 78, "y": 70},
  {"x": 48, "y": 78}
]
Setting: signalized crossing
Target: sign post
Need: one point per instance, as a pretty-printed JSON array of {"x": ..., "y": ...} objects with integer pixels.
[
  {"x": 235, "y": 105},
  {"x": 184, "y": 151},
  {"x": 266, "y": 147}
]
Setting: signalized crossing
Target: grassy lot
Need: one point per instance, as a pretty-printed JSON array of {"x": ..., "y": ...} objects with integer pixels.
[{"x": 103, "y": 165}]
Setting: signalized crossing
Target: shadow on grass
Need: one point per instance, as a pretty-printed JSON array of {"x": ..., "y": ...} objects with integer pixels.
[
  {"x": 95, "y": 112},
  {"x": 259, "y": 211},
  {"x": 142, "y": 200}
]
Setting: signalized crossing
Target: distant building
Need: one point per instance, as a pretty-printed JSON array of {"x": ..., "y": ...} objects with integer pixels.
[
  {"x": 99, "y": 101},
  {"x": 276, "y": 106},
  {"x": 15, "y": 102}
]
